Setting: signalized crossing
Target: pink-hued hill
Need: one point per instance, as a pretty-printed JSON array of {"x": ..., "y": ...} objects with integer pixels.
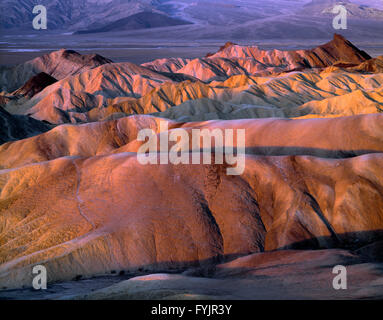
[
  {"x": 335, "y": 79},
  {"x": 77, "y": 200},
  {"x": 90, "y": 207}
]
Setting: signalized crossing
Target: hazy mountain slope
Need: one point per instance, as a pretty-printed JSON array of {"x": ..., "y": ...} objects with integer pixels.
[
  {"x": 104, "y": 213},
  {"x": 67, "y": 14},
  {"x": 212, "y": 19},
  {"x": 88, "y": 14},
  {"x": 142, "y": 20},
  {"x": 325, "y": 7},
  {"x": 373, "y": 3}
]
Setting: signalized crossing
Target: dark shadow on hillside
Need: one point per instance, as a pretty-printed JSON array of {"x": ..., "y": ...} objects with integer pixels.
[{"x": 306, "y": 151}]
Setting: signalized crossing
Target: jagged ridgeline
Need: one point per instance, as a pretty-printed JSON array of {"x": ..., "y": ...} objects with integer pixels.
[{"x": 236, "y": 82}]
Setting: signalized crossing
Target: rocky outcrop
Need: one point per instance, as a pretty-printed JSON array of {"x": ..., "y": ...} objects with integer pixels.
[
  {"x": 325, "y": 8},
  {"x": 70, "y": 15}
]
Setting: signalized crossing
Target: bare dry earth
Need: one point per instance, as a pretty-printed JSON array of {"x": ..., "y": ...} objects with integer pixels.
[
  {"x": 86, "y": 206},
  {"x": 77, "y": 200}
]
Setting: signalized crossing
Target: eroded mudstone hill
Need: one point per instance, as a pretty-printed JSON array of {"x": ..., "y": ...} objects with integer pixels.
[
  {"x": 334, "y": 79},
  {"x": 77, "y": 200},
  {"x": 90, "y": 208}
]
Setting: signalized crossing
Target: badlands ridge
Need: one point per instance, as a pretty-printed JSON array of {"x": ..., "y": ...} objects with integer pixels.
[{"x": 75, "y": 199}]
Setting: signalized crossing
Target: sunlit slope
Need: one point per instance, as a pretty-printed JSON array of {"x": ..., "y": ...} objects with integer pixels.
[
  {"x": 330, "y": 138},
  {"x": 87, "y": 216}
]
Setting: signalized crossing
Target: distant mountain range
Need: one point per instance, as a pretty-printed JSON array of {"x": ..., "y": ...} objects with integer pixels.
[
  {"x": 142, "y": 20},
  {"x": 68, "y": 14},
  {"x": 116, "y": 15},
  {"x": 325, "y": 7}
]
